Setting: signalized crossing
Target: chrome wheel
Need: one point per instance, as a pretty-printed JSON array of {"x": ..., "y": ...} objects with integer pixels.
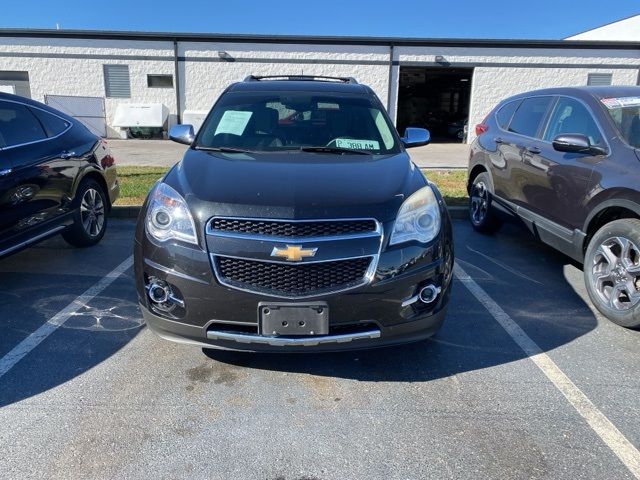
[
  {"x": 479, "y": 202},
  {"x": 92, "y": 212},
  {"x": 615, "y": 273}
]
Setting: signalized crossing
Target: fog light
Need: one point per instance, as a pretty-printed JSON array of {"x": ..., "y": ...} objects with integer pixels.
[
  {"x": 159, "y": 293},
  {"x": 429, "y": 293},
  {"x": 162, "y": 296}
]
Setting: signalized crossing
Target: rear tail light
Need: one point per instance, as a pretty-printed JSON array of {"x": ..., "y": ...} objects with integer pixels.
[
  {"x": 481, "y": 128},
  {"x": 107, "y": 160}
]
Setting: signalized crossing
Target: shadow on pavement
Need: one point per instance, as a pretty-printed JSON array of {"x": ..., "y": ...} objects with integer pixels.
[
  {"x": 38, "y": 283},
  {"x": 526, "y": 278}
]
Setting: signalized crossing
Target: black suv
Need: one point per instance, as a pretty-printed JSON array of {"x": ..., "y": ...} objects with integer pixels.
[
  {"x": 55, "y": 177},
  {"x": 566, "y": 162},
  {"x": 295, "y": 222}
]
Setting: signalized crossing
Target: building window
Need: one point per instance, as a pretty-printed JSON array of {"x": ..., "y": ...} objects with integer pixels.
[
  {"x": 15, "y": 82},
  {"x": 116, "y": 81},
  {"x": 599, "y": 79},
  {"x": 160, "y": 81}
]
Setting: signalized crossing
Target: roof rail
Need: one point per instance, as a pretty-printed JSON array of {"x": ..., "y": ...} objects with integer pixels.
[{"x": 303, "y": 78}]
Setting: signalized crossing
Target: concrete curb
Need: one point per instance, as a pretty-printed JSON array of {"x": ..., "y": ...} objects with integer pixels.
[
  {"x": 125, "y": 211},
  {"x": 458, "y": 213},
  {"x": 132, "y": 211}
]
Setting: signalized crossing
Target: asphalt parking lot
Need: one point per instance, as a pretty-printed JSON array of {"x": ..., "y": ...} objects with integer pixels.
[{"x": 525, "y": 380}]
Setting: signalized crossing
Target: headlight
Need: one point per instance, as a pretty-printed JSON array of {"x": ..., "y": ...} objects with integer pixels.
[
  {"x": 168, "y": 216},
  {"x": 418, "y": 218}
]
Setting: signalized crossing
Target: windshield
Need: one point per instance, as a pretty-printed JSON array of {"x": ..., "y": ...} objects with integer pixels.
[
  {"x": 281, "y": 121},
  {"x": 625, "y": 113}
]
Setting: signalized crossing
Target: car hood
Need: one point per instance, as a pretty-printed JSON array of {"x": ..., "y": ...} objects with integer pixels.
[{"x": 294, "y": 185}]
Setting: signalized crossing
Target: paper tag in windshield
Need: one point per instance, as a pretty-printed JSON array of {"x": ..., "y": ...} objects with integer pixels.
[
  {"x": 621, "y": 102},
  {"x": 356, "y": 144},
  {"x": 233, "y": 122}
]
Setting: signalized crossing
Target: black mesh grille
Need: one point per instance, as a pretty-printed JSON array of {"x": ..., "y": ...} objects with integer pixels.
[
  {"x": 292, "y": 280},
  {"x": 293, "y": 229}
]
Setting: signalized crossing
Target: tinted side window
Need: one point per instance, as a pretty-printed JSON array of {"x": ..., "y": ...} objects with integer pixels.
[
  {"x": 571, "y": 116},
  {"x": 504, "y": 115},
  {"x": 18, "y": 125},
  {"x": 527, "y": 118},
  {"x": 52, "y": 124}
]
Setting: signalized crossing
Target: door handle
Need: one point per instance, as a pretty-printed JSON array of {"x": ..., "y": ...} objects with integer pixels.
[
  {"x": 498, "y": 140},
  {"x": 65, "y": 155},
  {"x": 534, "y": 150}
]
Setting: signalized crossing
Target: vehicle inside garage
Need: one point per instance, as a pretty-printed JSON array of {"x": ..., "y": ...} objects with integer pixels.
[{"x": 436, "y": 98}]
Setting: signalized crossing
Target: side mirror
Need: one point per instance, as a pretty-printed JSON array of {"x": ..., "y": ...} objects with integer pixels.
[
  {"x": 576, "y": 143},
  {"x": 182, "y": 134},
  {"x": 415, "y": 137}
]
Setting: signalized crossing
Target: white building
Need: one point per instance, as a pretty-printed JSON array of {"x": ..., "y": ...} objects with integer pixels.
[
  {"x": 625, "y": 30},
  {"x": 423, "y": 82}
]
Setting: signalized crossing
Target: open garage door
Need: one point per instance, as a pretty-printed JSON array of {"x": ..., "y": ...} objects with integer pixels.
[
  {"x": 87, "y": 110},
  {"x": 15, "y": 82},
  {"x": 436, "y": 98}
]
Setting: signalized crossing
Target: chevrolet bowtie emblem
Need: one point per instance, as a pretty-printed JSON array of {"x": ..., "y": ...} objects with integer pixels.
[{"x": 293, "y": 253}]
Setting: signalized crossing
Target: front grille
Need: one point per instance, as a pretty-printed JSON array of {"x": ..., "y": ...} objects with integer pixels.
[
  {"x": 293, "y": 229},
  {"x": 292, "y": 280}
]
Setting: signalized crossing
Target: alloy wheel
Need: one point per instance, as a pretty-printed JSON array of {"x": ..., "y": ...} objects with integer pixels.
[
  {"x": 479, "y": 202},
  {"x": 615, "y": 273},
  {"x": 92, "y": 212}
]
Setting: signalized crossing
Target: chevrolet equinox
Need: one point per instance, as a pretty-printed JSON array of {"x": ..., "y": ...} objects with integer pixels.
[{"x": 295, "y": 222}]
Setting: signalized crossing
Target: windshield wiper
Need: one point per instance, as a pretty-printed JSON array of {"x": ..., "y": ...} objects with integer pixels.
[
  {"x": 222, "y": 149},
  {"x": 334, "y": 150}
]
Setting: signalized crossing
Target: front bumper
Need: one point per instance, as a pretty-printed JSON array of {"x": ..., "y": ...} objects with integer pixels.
[
  {"x": 219, "y": 317},
  {"x": 375, "y": 314},
  {"x": 407, "y": 332}
]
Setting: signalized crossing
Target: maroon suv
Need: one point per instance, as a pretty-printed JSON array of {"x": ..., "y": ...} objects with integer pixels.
[{"x": 566, "y": 162}]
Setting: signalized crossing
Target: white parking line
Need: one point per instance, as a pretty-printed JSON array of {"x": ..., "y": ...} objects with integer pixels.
[
  {"x": 34, "y": 339},
  {"x": 607, "y": 431}
]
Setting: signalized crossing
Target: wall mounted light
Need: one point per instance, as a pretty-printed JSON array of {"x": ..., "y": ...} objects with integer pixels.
[
  {"x": 224, "y": 56},
  {"x": 441, "y": 60}
]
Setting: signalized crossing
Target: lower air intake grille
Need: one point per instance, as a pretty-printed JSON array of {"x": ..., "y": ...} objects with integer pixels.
[{"x": 292, "y": 280}]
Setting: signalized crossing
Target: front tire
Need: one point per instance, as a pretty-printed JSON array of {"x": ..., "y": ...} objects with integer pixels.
[
  {"x": 90, "y": 216},
  {"x": 483, "y": 218},
  {"x": 612, "y": 271}
]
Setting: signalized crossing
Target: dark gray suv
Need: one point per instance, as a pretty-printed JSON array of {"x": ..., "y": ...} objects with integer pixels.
[
  {"x": 295, "y": 222},
  {"x": 566, "y": 162}
]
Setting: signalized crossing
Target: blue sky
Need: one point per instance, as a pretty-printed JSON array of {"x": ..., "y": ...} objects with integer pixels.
[{"x": 400, "y": 18}]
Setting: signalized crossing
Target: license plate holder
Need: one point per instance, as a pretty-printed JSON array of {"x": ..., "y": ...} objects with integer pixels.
[{"x": 293, "y": 319}]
